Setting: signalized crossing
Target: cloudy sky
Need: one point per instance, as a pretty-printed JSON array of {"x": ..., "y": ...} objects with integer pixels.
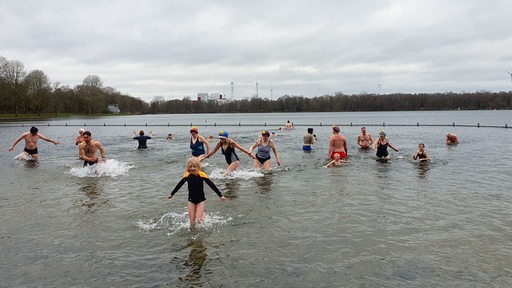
[{"x": 173, "y": 48}]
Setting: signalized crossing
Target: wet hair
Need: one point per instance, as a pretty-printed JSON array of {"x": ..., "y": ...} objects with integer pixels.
[
  {"x": 88, "y": 133},
  {"x": 310, "y": 130},
  {"x": 33, "y": 130},
  {"x": 422, "y": 145},
  {"x": 141, "y": 132}
]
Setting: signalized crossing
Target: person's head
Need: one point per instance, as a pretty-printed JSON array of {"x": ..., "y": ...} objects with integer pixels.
[
  {"x": 193, "y": 165},
  {"x": 265, "y": 133},
  {"x": 87, "y": 136},
  {"x": 382, "y": 134},
  {"x": 421, "y": 146},
  {"x": 81, "y": 131},
  {"x": 141, "y": 132},
  {"x": 335, "y": 129},
  {"x": 33, "y": 130},
  {"x": 337, "y": 156},
  {"x": 194, "y": 130},
  {"x": 310, "y": 130},
  {"x": 363, "y": 130},
  {"x": 223, "y": 135}
]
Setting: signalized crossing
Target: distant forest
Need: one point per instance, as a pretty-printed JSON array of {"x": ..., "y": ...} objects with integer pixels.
[{"x": 32, "y": 93}]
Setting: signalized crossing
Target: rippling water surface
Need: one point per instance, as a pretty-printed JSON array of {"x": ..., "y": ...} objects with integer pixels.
[{"x": 365, "y": 224}]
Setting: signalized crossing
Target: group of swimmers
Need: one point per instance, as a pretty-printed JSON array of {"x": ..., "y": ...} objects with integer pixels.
[
  {"x": 338, "y": 153},
  {"x": 200, "y": 150}
]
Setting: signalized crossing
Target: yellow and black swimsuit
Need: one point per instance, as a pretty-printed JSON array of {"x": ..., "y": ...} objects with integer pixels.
[{"x": 196, "y": 186}]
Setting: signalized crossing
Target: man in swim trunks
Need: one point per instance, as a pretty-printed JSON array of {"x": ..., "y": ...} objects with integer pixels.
[
  {"x": 88, "y": 150},
  {"x": 227, "y": 147},
  {"x": 337, "y": 144},
  {"x": 31, "y": 138},
  {"x": 364, "y": 140},
  {"x": 309, "y": 140}
]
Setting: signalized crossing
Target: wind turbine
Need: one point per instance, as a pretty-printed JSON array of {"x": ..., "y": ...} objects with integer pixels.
[
  {"x": 510, "y": 75},
  {"x": 379, "y": 86}
]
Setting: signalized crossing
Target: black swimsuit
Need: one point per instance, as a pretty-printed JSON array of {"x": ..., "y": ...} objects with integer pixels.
[
  {"x": 30, "y": 151},
  {"x": 196, "y": 187},
  {"x": 230, "y": 154}
]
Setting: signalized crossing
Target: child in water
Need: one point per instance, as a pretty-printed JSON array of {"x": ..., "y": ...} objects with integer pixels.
[
  {"x": 337, "y": 161},
  {"x": 195, "y": 178},
  {"x": 422, "y": 155}
]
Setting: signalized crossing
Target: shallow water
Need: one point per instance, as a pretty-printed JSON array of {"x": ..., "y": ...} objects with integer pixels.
[{"x": 364, "y": 224}]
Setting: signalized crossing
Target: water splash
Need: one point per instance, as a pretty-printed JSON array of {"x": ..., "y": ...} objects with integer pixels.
[
  {"x": 238, "y": 174},
  {"x": 111, "y": 168},
  {"x": 176, "y": 222}
]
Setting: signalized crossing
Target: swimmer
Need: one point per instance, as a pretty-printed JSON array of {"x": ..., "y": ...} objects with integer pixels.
[
  {"x": 227, "y": 147},
  {"x": 197, "y": 143},
  {"x": 451, "y": 139},
  {"x": 337, "y": 161},
  {"x": 288, "y": 125},
  {"x": 169, "y": 136},
  {"x": 309, "y": 139},
  {"x": 88, "y": 150},
  {"x": 382, "y": 144},
  {"x": 31, "y": 139},
  {"x": 195, "y": 178},
  {"x": 337, "y": 144},
  {"x": 264, "y": 144},
  {"x": 422, "y": 155},
  {"x": 364, "y": 140},
  {"x": 142, "y": 138},
  {"x": 80, "y": 138}
]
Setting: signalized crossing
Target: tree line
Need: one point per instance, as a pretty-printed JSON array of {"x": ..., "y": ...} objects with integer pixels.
[{"x": 32, "y": 92}]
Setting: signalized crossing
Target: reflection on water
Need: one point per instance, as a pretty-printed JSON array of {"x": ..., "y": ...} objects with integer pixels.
[
  {"x": 231, "y": 189},
  {"x": 196, "y": 259},
  {"x": 93, "y": 190},
  {"x": 423, "y": 167},
  {"x": 265, "y": 183},
  {"x": 31, "y": 163}
]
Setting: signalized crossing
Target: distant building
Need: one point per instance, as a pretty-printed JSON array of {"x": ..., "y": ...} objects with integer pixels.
[
  {"x": 113, "y": 108},
  {"x": 202, "y": 97}
]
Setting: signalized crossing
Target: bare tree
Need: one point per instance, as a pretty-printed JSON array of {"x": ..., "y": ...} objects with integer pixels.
[
  {"x": 38, "y": 90},
  {"x": 14, "y": 74}
]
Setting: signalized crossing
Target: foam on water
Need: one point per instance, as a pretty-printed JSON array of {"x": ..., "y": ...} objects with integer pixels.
[
  {"x": 238, "y": 174},
  {"x": 111, "y": 168},
  {"x": 23, "y": 156},
  {"x": 176, "y": 222}
]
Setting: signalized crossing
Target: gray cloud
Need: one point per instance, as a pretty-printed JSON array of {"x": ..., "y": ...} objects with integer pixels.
[{"x": 180, "y": 48}]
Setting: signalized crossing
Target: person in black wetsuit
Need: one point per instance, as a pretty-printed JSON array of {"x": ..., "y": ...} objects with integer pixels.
[
  {"x": 228, "y": 149},
  {"x": 422, "y": 155},
  {"x": 143, "y": 139},
  {"x": 382, "y": 144},
  {"x": 195, "y": 178}
]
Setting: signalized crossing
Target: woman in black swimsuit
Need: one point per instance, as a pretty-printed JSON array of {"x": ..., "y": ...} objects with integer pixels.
[
  {"x": 422, "y": 155},
  {"x": 228, "y": 149}
]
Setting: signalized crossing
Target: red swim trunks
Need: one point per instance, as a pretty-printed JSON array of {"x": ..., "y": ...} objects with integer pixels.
[{"x": 343, "y": 155}]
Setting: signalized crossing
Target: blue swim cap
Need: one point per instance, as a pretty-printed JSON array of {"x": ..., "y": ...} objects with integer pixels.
[
  {"x": 382, "y": 132},
  {"x": 223, "y": 134}
]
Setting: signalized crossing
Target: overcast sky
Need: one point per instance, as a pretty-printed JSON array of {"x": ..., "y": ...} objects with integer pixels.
[{"x": 309, "y": 48}]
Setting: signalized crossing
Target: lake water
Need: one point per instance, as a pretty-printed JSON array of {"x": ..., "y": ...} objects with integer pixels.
[{"x": 365, "y": 224}]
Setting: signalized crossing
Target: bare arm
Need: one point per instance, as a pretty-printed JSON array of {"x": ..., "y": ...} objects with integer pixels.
[
  {"x": 47, "y": 139},
  {"x": 102, "y": 151},
  {"x": 201, "y": 138},
  {"x": 18, "y": 140},
  {"x": 236, "y": 145},
  {"x": 255, "y": 145},
  {"x": 134, "y": 133},
  {"x": 273, "y": 146},
  {"x": 389, "y": 145},
  {"x": 217, "y": 146}
]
